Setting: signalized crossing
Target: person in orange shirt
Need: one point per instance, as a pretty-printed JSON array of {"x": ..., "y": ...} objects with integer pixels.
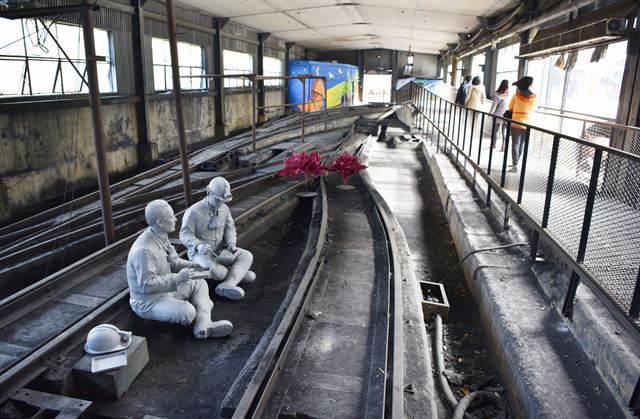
[{"x": 522, "y": 106}]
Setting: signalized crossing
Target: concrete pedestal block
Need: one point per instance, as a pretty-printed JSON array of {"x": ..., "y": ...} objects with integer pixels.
[{"x": 111, "y": 385}]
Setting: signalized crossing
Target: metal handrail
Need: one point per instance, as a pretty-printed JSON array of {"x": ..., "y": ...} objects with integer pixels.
[{"x": 443, "y": 124}]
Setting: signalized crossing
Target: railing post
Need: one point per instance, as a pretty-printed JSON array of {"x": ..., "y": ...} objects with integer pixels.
[
  {"x": 524, "y": 165},
  {"x": 506, "y": 155},
  {"x": 567, "y": 308},
  {"x": 479, "y": 149},
  {"x": 634, "y": 311},
  {"x": 549, "y": 193},
  {"x": 464, "y": 135},
  {"x": 634, "y": 403},
  {"x": 452, "y": 114},
  {"x": 493, "y": 138},
  {"x": 473, "y": 126},
  {"x": 438, "y": 119}
]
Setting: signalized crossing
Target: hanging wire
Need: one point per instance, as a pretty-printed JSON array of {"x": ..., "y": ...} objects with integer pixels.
[
  {"x": 73, "y": 155},
  {"x": 41, "y": 32},
  {"x": 506, "y": 20}
]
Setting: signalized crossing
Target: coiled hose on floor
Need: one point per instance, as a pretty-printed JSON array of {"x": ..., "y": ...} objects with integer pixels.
[{"x": 462, "y": 405}]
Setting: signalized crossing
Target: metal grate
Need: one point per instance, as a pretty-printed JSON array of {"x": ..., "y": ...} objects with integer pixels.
[{"x": 603, "y": 239}]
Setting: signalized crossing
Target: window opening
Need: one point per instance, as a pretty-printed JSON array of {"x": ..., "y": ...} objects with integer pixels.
[
  {"x": 191, "y": 63},
  {"x": 44, "y": 57},
  {"x": 272, "y": 67},
  {"x": 237, "y": 63},
  {"x": 587, "y": 89},
  {"x": 507, "y": 65}
]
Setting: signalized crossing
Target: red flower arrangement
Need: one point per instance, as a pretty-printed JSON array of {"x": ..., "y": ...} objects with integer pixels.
[
  {"x": 346, "y": 165},
  {"x": 307, "y": 164}
]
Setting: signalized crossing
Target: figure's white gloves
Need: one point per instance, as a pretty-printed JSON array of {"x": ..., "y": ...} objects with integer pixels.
[
  {"x": 231, "y": 247},
  {"x": 185, "y": 274}
]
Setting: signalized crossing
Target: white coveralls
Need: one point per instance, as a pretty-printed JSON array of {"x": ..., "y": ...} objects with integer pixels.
[
  {"x": 215, "y": 227},
  {"x": 155, "y": 290}
]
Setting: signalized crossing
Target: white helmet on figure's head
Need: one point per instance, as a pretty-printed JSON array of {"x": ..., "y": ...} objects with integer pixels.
[
  {"x": 106, "y": 338},
  {"x": 220, "y": 189}
]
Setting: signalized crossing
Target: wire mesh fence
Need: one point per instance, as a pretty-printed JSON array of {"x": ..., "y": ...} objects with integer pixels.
[{"x": 573, "y": 190}]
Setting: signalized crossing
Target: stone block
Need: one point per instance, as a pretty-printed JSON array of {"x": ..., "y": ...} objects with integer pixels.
[{"x": 111, "y": 385}]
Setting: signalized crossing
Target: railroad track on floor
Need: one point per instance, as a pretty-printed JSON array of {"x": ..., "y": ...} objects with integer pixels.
[
  {"x": 270, "y": 133},
  {"x": 46, "y": 245},
  {"x": 280, "y": 355},
  {"x": 338, "y": 349},
  {"x": 55, "y": 314}
]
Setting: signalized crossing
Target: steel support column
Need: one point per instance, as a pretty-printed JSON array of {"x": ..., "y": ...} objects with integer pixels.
[
  {"x": 360, "y": 73},
  {"x": 98, "y": 132},
  {"x": 287, "y": 58},
  {"x": 218, "y": 83},
  {"x": 146, "y": 153},
  {"x": 175, "y": 70},
  {"x": 262, "y": 94}
]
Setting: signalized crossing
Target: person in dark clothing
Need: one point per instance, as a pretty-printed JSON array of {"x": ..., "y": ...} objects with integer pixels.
[{"x": 461, "y": 96}]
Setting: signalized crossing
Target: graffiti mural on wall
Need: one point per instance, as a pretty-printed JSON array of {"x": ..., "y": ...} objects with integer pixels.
[{"x": 342, "y": 84}]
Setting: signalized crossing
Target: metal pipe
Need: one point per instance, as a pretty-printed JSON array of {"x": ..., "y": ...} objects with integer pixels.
[
  {"x": 567, "y": 6},
  {"x": 184, "y": 158},
  {"x": 253, "y": 114},
  {"x": 524, "y": 165},
  {"x": 98, "y": 132},
  {"x": 324, "y": 85}
]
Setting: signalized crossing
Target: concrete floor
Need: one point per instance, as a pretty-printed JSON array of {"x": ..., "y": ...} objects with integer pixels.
[{"x": 401, "y": 177}]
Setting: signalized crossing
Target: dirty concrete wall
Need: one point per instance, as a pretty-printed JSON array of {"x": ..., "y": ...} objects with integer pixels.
[
  {"x": 43, "y": 154},
  {"x": 238, "y": 105},
  {"x": 274, "y": 97},
  {"x": 199, "y": 115},
  {"x": 237, "y": 110}
]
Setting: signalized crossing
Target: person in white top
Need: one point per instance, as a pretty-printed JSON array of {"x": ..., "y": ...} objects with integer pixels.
[
  {"x": 161, "y": 285},
  {"x": 498, "y": 108}
]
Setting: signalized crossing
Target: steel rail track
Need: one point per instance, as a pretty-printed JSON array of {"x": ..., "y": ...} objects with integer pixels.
[
  {"x": 259, "y": 392},
  {"x": 44, "y": 300},
  {"x": 28, "y": 260},
  {"x": 163, "y": 174}
]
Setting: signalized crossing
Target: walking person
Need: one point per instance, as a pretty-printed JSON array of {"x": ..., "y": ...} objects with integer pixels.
[
  {"x": 476, "y": 98},
  {"x": 498, "y": 108},
  {"x": 461, "y": 96},
  {"x": 522, "y": 105}
]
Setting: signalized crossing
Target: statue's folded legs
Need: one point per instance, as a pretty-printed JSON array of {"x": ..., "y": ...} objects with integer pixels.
[{"x": 230, "y": 276}]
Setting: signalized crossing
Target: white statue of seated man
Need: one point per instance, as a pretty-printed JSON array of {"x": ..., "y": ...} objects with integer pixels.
[
  {"x": 162, "y": 286},
  {"x": 209, "y": 233}
]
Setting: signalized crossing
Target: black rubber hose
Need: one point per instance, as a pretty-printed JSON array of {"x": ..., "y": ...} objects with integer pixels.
[
  {"x": 459, "y": 411},
  {"x": 485, "y": 249}
]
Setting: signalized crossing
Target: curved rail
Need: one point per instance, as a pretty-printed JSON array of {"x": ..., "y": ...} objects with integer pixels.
[
  {"x": 270, "y": 133},
  {"x": 382, "y": 389},
  {"x": 24, "y": 311}
]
